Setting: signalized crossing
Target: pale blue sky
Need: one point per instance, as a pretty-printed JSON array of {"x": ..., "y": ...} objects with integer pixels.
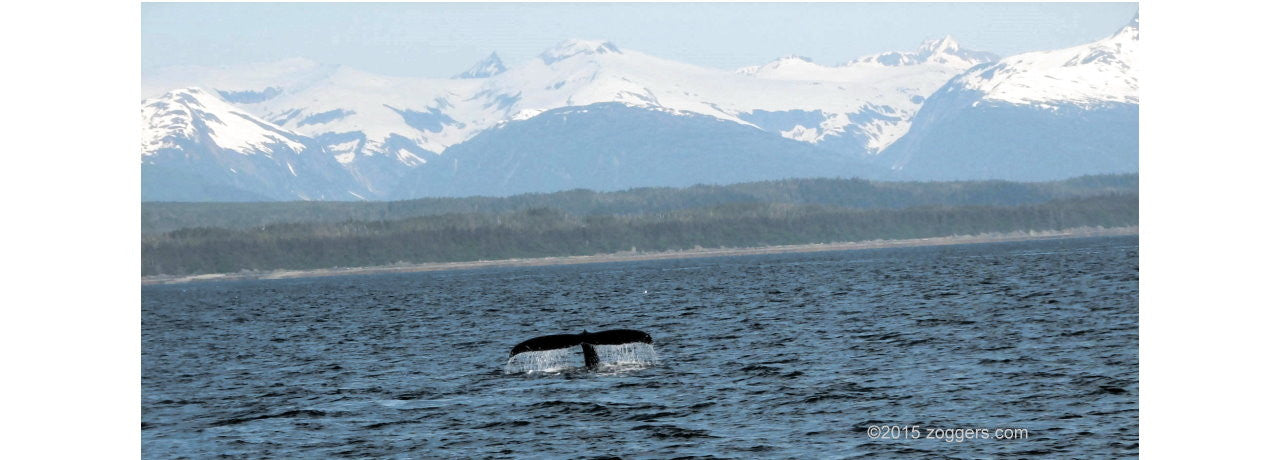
[{"x": 442, "y": 39}]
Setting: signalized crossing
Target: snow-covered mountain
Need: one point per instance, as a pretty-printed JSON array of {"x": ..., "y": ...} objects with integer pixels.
[
  {"x": 297, "y": 129},
  {"x": 582, "y": 147},
  {"x": 943, "y": 55},
  {"x": 894, "y": 84},
  {"x": 196, "y": 146},
  {"x": 363, "y": 118},
  {"x": 944, "y": 51},
  {"x": 1034, "y": 116},
  {"x": 1092, "y": 74},
  {"x": 178, "y": 116}
]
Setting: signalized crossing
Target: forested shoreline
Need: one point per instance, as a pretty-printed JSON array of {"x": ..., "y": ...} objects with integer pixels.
[
  {"x": 159, "y": 217},
  {"x": 543, "y": 231}
]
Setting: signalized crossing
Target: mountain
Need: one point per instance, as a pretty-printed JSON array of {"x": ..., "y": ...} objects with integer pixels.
[
  {"x": 1034, "y": 116},
  {"x": 198, "y": 147},
  {"x": 591, "y": 114},
  {"x": 893, "y": 88},
  {"x": 944, "y": 51},
  {"x": 583, "y": 147},
  {"x": 380, "y": 128},
  {"x": 861, "y": 107},
  {"x": 939, "y": 56},
  {"x": 486, "y": 68}
]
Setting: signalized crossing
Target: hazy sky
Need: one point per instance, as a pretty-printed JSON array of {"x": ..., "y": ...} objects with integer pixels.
[{"x": 442, "y": 39}]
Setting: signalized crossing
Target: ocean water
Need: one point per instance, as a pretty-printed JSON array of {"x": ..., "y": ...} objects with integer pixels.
[{"x": 793, "y": 355}]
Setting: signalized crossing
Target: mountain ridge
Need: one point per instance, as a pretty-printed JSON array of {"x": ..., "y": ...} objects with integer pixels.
[
  {"x": 374, "y": 136},
  {"x": 1033, "y": 116}
]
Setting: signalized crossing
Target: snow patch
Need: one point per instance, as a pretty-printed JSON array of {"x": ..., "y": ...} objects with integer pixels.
[
  {"x": 526, "y": 114},
  {"x": 801, "y": 133},
  {"x": 408, "y": 158}
]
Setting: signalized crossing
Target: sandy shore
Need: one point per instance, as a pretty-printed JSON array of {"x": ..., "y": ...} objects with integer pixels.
[{"x": 638, "y": 256}]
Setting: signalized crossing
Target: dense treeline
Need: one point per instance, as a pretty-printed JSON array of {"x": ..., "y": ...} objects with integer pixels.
[
  {"x": 846, "y": 193},
  {"x": 541, "y": 232}
]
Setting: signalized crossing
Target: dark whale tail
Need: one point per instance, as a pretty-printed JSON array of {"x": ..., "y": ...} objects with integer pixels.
[{"x": 587, "y": 340}]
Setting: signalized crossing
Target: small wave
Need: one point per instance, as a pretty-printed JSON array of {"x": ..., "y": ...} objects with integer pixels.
[
  {"x": 673, "y": 431},
  {"x": 302, "y": 413}
]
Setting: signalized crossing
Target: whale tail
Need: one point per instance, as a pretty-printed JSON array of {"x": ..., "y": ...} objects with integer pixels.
[{"x": 586, "y": 340}]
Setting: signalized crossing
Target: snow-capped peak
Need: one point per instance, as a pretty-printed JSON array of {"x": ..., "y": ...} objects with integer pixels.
[
  {"x": 570, "y": 48},
  {"x": 1093, "y": 73},
  {"x": 1130, "y": 30},
  {"x": 487, "y": 67},
  {"x": 794, "y": 64},
  {"x": 940, "y": 59},
  {"x": 186, "y": 115},
  {"x": 941, "y": 45},
  {"x": 945, "y": 51},
  {"x": 795, "y": 57}
]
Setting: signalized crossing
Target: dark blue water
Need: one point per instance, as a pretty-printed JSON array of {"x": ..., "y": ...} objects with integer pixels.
[{"x": 783, "y": 355}]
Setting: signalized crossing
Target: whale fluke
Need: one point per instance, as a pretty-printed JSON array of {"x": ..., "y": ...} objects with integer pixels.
[{"x": 586, "y": 340}]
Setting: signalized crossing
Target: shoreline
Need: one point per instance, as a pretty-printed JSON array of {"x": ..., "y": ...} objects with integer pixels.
[{"x": 696, "y": 253}]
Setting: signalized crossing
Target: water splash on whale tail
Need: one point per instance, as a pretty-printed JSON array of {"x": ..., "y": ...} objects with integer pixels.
[
  {"x": 627, "y": 354},
  {"x": 544, "y": 361},
  {"x": 550, "y": 353}
]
